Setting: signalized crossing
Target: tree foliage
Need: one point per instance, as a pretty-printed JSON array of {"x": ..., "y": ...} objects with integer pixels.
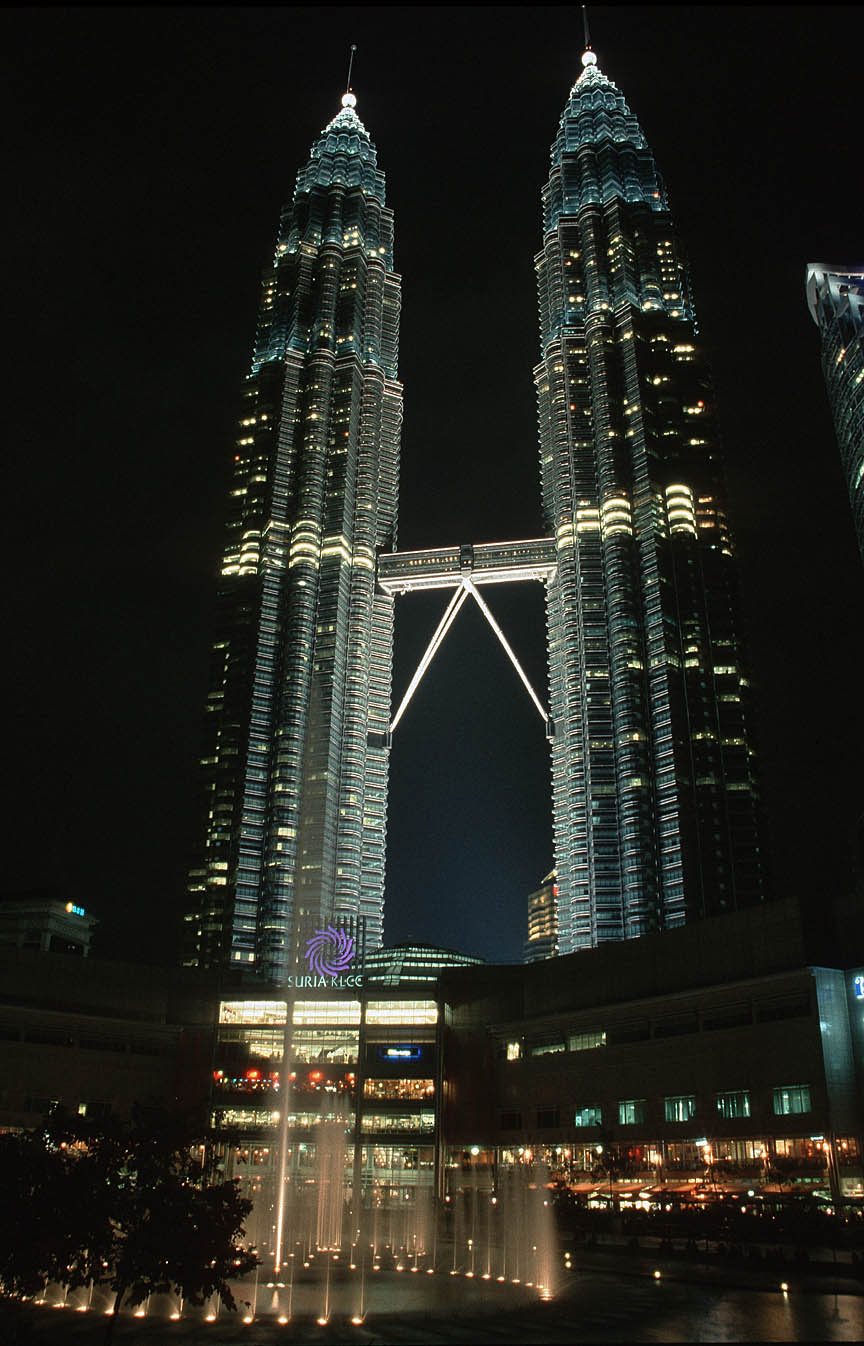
[{"x": 119, "y": 1205}]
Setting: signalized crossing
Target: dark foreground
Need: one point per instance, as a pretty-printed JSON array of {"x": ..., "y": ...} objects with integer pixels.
[{"x": 599, "y": 1301}]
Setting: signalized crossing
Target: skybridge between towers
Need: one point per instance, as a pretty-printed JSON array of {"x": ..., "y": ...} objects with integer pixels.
[{"x": 465, "y": 570}]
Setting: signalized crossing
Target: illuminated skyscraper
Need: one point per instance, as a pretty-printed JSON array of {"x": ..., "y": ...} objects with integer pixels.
[
  {"x": 654, "y": 798},
  {"x": 542, "y": 941},
  {"x": 295, "y": 764},
  {"x": 835, "y": 297}
]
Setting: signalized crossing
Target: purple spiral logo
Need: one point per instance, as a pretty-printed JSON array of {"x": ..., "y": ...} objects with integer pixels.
[{"x": 330, "y": 951}]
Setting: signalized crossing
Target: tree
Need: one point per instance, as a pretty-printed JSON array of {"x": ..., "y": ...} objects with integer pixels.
[{"x": 122, "y": 1205}]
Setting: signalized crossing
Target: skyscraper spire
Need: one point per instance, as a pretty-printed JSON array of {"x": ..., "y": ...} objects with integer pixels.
[
  {"x": 348, "y": 88},
  {"x": 585, "y": 26}
]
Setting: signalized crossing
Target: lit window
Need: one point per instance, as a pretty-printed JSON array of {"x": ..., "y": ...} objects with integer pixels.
[
  {"x": 514, "y": 1051},
  {"x": 327, "y": 1012},
  {"x": 734, "y": 1105},
  {"x": 631, "y": 1112},
  {"x": 583, "y": 1042},
  {"x": 252, "y": 1012},
  {"x": 791, "y": 1099},
  {"x": 401, "y": 1012},
  {"x": 680, "y": 1108},
  {"x": 590, "y": 1116},
  {"x": 405, "y": 1088}
]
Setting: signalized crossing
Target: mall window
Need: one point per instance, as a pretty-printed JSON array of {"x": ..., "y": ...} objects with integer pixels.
[
  {"x": 792, "y": 1098},
  {"x": 252, "y": 1012},
  {"x": 545, "y": 1048},
  {"x": 631, "y": 1111},
  {"x": 401, "y": 1012},
  {"x": 681, "y": 1108},
  {"x": 327, "y": 1012},
  {"x": 417, "y": 1089},
  {"x": 583, "y": 1042},
  {"x": 245, "y": 1117},
  {"x": 398, "y": 1121},
  {"x": 264, "y": 1042},
  {"x": 590, "y": 1116},
  {"x": 732, "y": 1106},
  {"x": 330, "y": 1045}
]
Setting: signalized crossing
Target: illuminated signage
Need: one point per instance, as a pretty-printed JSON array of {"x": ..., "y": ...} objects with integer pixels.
[
  {"x": 74, "y": 911},
  {"x": 400, "y": 1053},
  {"x": 329, "y": 954},
  {"x": 858, "y": 987}
]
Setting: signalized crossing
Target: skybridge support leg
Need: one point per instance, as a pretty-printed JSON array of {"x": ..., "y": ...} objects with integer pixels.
[
  {"x": 484, "y": 608},
  {"x": 432, "y": 648}
]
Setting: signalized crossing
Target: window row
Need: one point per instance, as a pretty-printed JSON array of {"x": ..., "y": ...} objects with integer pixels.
[
  {"x": 787, "y": 1100},
  {"x": 641, "y": 1030}
]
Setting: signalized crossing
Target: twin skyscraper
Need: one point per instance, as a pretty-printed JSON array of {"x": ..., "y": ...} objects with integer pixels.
[{"x": 653, "y": 792}]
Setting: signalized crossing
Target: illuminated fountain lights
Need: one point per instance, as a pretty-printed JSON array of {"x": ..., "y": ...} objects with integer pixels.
[{"x": 328, "y": 1105}]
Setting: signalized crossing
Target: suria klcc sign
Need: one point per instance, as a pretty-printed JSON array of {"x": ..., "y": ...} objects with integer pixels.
[{"x": 329, "y": 955}]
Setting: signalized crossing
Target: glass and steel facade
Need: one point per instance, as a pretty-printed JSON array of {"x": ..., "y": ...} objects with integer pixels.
[
  {"x": 364, "y": 1070},
  {"x": 835, "y": 297},
  {"x": 654, "y": 796},
  {"x": 294, "y": 766},
  {"x": 399, "y": 964}
]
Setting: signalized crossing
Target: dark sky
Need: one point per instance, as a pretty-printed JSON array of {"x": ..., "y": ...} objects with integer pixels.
[{"x": 148, "y": 153}]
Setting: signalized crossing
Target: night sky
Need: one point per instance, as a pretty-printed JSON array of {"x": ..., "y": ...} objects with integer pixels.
[{"x": 148, "y": 153}]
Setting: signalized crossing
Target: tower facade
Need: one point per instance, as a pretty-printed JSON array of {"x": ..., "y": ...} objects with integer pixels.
[
  {"x": 835, "y": 297},
  {"x": 654, "y": 797},
  {"x": 294, "y": 768}
]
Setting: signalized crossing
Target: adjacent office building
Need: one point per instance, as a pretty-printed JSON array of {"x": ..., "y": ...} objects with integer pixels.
[
  {"x": 542, "y": 941},
  {"x": 835, "y": 297},
  {"x": 654, "y": 795},
  {"x": 294, "y": 767}
]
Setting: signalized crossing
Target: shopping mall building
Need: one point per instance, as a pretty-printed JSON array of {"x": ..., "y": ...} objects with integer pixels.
[{"x": 726, "y": 1055}]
